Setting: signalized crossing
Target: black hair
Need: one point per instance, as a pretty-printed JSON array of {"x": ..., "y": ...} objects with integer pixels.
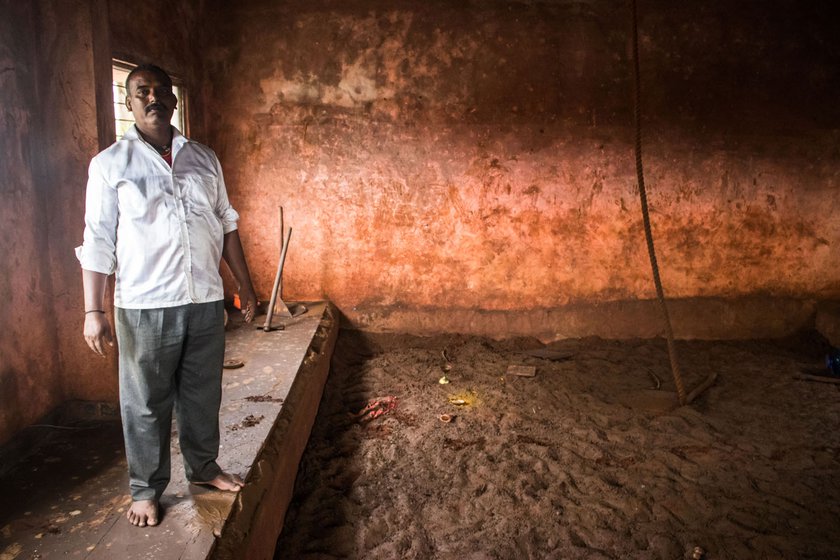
[{"x": 161, "y": 73}]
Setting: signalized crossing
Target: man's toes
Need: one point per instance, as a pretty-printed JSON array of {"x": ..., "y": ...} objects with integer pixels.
[{"x": 143, "y": 513}]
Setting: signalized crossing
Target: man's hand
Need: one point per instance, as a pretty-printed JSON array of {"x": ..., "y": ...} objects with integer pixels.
[
  {"x": 248, "y": 302},
  {"x": 98, "y": 332},
  {"x": 235, "y": 259}
]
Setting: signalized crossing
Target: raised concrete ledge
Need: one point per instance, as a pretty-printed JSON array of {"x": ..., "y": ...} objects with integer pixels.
[
  {"x": 255, "y": 522},
  {"x": 692, "y": 318},
  {"x": 64, "y": 491}
]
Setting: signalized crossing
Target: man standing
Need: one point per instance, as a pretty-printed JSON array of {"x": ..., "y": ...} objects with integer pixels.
[{"x": 158, "y": 216}]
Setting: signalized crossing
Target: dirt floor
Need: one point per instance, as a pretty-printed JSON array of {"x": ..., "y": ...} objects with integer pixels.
[{"x": 584, "y": 460}]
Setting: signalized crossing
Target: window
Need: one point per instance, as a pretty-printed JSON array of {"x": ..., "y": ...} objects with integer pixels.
[{"x": 122, "y": 116}]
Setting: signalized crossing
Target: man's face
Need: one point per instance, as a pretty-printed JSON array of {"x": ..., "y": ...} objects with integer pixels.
[{"x": 150, "y": 100}]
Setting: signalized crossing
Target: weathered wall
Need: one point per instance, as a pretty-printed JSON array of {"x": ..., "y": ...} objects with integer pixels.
[
  {"x": 74, "y": 70},
  {"x": 448, "y": 157},
  {"x": 51, "y": 105},
  {"x": 28, "y": 342}
]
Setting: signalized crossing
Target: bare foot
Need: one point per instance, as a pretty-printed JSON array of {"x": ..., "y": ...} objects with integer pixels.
[
  {"x": 225, "y": 482},
  {"x": 142, "y": 513}
]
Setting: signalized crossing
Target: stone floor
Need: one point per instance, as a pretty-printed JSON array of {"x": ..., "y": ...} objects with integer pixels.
[{"x": 63, "y": 483}]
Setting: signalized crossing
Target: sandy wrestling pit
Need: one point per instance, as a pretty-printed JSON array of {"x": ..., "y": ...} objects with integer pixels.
[{"x": 584, "y": 460}]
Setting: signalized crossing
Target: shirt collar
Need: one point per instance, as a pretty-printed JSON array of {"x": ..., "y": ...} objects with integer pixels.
[{"x": 178, "y": 139}]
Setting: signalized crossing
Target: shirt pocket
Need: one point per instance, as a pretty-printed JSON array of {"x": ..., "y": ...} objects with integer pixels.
[{"x": 200, "y": 193}]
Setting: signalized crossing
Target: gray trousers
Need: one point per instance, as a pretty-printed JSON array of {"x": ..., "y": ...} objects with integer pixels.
[{"x": 169, "y": 357}]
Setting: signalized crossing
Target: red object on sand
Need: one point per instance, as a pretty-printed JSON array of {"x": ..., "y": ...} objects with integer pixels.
[{"x": 376, "y": 408}]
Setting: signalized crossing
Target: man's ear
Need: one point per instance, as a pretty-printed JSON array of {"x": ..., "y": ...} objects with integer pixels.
[{"x": 128, "y": 102}]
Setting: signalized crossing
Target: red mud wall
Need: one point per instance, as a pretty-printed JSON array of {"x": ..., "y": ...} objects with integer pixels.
[
  {"x": 28, "y": 340},
  {"x": 50, "y": 103},
  {"x": 469, "y": 166}
]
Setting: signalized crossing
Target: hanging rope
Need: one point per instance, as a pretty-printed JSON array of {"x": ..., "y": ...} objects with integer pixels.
[{"x": 660, "y": 294}]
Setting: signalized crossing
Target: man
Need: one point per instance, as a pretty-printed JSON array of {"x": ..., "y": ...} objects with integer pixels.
[{"x": 158, "y": 216}]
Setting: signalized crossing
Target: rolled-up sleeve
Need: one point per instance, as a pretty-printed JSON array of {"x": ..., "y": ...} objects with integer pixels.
[
  {"x": 225, "y": 212},
  {"x": 98, "y": 250}
]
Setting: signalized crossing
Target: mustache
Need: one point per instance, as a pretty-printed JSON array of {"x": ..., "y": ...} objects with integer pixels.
[{"x": 155, "y": 106}]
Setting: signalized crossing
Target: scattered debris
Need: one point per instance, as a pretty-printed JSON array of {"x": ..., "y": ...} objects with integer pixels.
[
  {"x": 263, "y": 398},
  {"x": 233, "y": 364},
  {"x": 252, "y": 420},
  {"x": 698, "y": 553},
  {"x": 11, "y": 552},
  {"x": 522, "y": 371},
  {"x": 446, "y": 367},
  {"x": 819, "y": 378},
  {"x": 376, "y": 408},
  {"x": 446, "y": 418},
  {"x": 548, "y": 354},
  {"x": 249, "y": 422},
  {"x": 697, "y": 391},
  {"x": 464, "y": 398},
  {"x": 655, "y": 380}
]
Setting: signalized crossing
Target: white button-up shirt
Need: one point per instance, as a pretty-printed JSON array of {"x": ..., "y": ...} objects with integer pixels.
[{"x": 160, "y": 229}]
